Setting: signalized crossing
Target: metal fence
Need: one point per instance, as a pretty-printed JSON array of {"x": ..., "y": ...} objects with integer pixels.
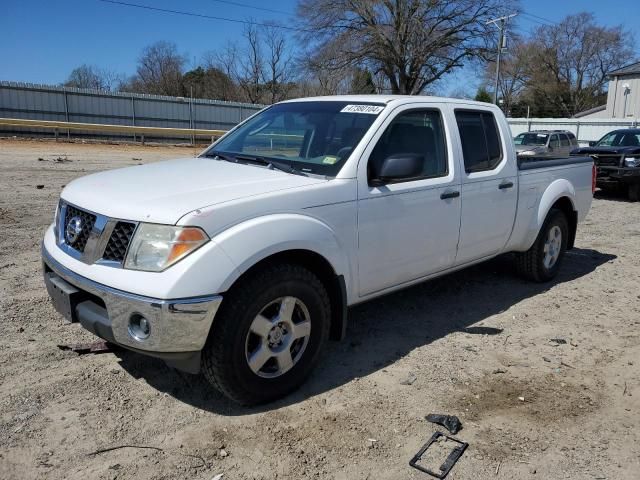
[
  {"x": 43, "y": 102},
  {"x": 585, "y": 130}
]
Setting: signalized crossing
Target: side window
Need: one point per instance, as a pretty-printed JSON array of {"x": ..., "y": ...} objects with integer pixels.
[
  {"x": 572, "y": 139},
  {"x": 480, "y": 140},
  {"x": 554, "y": 142},
  {"x": 418, "y": 132},
  {"x": 564, "y": 140}
]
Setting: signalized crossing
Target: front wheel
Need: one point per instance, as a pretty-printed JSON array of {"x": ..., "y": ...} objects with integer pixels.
[
  {"x": 633, "y": 192},
  {"x": 268, "y": 334},
  {"x": 542, "y": 261}
]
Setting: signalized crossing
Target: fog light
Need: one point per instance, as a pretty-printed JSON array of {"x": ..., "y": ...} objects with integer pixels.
[{"x": 139, "y": 327}]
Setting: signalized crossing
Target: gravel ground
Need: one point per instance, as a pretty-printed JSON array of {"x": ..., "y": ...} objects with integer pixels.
[{"x": 477, "y": 344}]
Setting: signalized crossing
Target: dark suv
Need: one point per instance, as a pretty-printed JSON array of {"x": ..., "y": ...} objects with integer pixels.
[{"x": 617, "y": 158}]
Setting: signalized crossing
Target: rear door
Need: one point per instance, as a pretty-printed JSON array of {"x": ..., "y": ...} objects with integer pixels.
[
  {"x": 565, "y": 145},
  {"x": 489, "y": 185},
  {"x": 408, "y": 229},
  {"x": 554, "y": 146}
]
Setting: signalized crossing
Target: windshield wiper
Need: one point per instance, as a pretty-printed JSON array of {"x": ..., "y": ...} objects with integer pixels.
[
  {"x": 283, "y": 167},
  {"x": 220, "y": 156}
]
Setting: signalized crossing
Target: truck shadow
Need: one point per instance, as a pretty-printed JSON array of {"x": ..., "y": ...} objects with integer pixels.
[{"x": 383, "y": 330}]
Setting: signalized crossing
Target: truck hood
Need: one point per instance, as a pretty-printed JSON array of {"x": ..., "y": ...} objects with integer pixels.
[
  {"x": 606, "y": 151},
  {"x": 163, "y": 192}
]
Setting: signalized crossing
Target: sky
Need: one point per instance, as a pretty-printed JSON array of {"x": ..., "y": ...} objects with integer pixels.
[{"x": 43, "y": 40}]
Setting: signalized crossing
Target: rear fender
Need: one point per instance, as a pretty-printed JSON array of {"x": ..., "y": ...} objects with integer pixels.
[{"x": 555, "y": 191}]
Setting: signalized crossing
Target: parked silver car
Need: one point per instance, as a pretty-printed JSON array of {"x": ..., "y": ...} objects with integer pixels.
[{"x": 545, "y": 143}]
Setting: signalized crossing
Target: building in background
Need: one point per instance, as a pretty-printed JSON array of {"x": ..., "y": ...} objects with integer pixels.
[{"x": 623, "y": 97}]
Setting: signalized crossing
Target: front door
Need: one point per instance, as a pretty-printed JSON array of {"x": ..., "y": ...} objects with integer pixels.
[
  {"x": 408, "y": 229},
  {"x": 489, "y": 186}
]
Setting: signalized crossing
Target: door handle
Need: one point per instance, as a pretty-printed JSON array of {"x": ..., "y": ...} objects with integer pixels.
[
  {"x": 502, "y": 186},
  {"x": 446, "y": 195}
]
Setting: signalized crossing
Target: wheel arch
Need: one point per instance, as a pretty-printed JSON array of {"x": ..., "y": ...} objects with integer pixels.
[
  {"x": 291, "y": 238},
  {"x": 561, "y": 195},
  {"x": 565, "y": 205},
  {"x": 322, "y": 268}
]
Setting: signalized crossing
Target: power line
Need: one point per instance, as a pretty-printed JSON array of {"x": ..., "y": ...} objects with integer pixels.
[
  {"x": 238, "y": 4},
  {"x": 538, "y": 19},
  {"x": 201, "y": 15}
]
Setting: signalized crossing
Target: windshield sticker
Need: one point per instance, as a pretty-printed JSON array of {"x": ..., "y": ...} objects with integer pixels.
[
  {"x": 372, "y": 109},
  {"x": 329, "y": 159}
]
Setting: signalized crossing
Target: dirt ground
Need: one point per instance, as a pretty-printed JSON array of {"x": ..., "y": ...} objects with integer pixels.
[{"x": 477, "y": 344}]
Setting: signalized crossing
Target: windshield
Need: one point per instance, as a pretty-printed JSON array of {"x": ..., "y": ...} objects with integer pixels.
[
  {"x": 531, "y": 139},
  {"x": 620, "y": 139},
  {"x": 311, "y": 137}
]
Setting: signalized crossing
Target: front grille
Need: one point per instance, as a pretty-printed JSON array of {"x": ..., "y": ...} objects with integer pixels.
[
  {"x": 87, "y": 221},
  {"x": 118, "y": 243},
  {"x": 607, "y": 161}
]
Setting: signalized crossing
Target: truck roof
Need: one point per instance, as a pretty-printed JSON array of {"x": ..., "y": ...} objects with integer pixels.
[
  {"x": 548, "y": 131},
  {"x": 389, "y": 99}
]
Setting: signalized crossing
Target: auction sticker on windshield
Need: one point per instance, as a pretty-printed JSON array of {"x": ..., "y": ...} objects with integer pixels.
[{"x": 373, "y": 109}]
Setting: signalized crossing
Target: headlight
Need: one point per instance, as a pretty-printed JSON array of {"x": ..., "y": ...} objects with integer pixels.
[
  {"x": 632, "y": 162},
  {"x": 156, "y": 247}
]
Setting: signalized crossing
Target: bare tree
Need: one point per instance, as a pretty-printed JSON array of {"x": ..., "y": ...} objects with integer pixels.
[
  {"x": 277, "y": 69},
  {"x": 250, "y": 65},
  {"x": 571, "y": 61},
  {"x": 160, "y": 69},
  {"x": 515, "y": 72},
  {"x": 89, "y": 76},
  {"x": 414, "y": 43}
]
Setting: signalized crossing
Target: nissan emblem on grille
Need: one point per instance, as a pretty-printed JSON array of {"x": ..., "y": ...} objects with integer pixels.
[{"x": 73, "y": 230}]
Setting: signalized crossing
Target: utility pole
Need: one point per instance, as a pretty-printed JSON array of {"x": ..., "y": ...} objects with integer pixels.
[{"x": 502, "y": 43}]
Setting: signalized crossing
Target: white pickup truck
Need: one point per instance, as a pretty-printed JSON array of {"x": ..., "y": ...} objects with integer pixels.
[{"x": 241, "y": 263}]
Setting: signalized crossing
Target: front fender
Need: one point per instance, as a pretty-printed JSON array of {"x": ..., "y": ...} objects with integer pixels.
[{"x": 254, "y": 240}]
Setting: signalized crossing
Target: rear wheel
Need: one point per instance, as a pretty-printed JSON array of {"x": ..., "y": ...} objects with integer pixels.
[
  {"x": 633, "y": 192},
  {"x": 268, "y": 335},
  {"x": 542, "y": 261}
]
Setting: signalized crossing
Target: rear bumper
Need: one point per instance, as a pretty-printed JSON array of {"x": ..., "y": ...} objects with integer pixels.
[{"x": 178, "y": 327}]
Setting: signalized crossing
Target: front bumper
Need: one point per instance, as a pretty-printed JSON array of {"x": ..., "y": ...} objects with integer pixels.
[
  {"x": 179, "y": 327},
  {"x": 607, "y": 175}
]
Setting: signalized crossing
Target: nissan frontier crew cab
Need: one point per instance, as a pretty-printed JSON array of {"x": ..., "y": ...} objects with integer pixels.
[{"x": 242, "y": 262}]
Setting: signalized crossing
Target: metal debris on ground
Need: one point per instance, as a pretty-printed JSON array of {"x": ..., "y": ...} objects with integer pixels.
[
  {"x": 100, "y": 346},
  {"x": 450, "y": 461},
  {"x": 559, "y": 341},
  {"x": 450, "y": 422}
]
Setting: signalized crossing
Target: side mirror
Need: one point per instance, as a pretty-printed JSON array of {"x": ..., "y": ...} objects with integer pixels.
[
  {"x": 592, "y": 143},
  {"x": 400, "y": 166}
]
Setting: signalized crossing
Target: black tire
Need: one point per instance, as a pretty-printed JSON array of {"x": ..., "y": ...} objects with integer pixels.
[
  {"x": 530, "y": 264},
  {"x": 633, "y": 192},
  {"x": 224, "y": 359}
]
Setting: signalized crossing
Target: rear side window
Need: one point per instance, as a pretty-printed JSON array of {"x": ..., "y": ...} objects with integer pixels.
[
  {"x": 480, "y": 140},
  {"x": 564, "y": 140}
]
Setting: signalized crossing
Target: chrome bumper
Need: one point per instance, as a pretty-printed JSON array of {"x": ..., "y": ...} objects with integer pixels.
[{"x": 180, "y": 325}]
